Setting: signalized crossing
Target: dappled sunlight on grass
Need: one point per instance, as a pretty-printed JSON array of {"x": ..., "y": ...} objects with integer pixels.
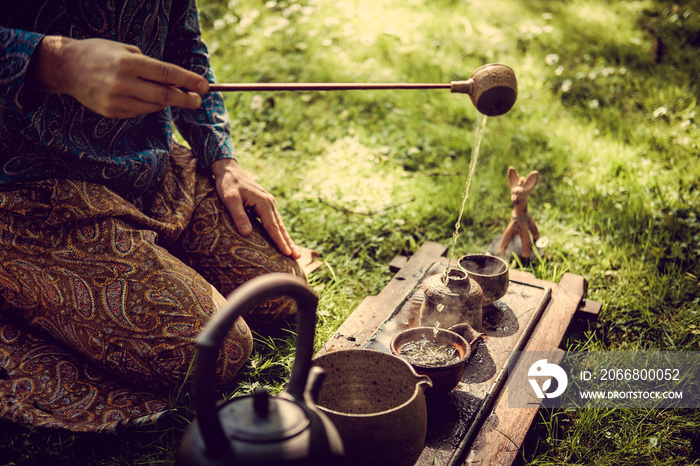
[{"x": 352, "y": 177}]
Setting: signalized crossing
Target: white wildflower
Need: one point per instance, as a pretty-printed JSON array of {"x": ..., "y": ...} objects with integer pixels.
[
  {"x": 552, "y": 59},
  {"x": 661, "y": 111},
  {"x": 331, "y": 21},
  {"x": 256, "y": 103},
  {"x": 293, "y": 9},
  {"x": 367, "y": 40}
]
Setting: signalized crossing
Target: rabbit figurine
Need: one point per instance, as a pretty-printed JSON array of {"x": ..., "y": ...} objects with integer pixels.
[{"x": 521, "y": 222}]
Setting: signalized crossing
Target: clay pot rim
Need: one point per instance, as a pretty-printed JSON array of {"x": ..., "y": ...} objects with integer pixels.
[
  {"x": 421, "y": 330},
  {"x": 420, "y": 379},
  {"x": 489, "y": 256}
]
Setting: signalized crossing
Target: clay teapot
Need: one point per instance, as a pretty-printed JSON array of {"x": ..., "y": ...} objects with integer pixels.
[
  {"x": 260, "y": 429},
  {"x": 450, "y": 299}
]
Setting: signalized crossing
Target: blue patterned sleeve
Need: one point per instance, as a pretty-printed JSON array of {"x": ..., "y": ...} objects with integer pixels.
[
  {"x": 17, "y": 49},
  {"x": 207, "y": 128}
]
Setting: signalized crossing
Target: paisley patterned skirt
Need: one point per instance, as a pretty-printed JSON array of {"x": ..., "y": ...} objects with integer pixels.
[{"x": 101, "y": 298}]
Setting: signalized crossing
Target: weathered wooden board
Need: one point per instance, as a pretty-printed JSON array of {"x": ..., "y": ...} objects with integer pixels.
[
  {"x": 503, "y": 432},
  {"x": 474, "y": 425},
  {"x": 309, "y": 260}
]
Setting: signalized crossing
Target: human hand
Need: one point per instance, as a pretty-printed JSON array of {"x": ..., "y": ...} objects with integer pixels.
[
  {"x": 113, "y": 79},
  {"x": 239, "y": 191}
]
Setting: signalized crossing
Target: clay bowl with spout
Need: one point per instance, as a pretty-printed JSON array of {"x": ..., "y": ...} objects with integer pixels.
[
  {"x": 377, "y": 402},
  {"x": 490, "y": 272},
  {"x": 445, "y": 374}
]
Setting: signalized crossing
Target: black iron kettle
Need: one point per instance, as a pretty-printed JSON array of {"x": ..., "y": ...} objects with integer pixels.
[{"x": 260, "y": 429}]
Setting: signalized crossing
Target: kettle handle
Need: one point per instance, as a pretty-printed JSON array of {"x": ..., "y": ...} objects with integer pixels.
[{"x": 239, "y": 303}]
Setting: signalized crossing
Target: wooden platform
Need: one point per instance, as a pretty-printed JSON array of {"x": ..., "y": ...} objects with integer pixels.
[{"x": 475, "y": 425}]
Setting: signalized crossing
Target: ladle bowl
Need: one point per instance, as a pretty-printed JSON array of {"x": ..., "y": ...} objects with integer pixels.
[{"x": 493, "y": 89}]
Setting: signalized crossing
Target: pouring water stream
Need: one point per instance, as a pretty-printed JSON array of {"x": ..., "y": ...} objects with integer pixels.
[{"x": 465, "y": 195}]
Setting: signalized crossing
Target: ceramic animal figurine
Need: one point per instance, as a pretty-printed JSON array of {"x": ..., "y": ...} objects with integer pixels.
[{"x": 521, "y": 222}]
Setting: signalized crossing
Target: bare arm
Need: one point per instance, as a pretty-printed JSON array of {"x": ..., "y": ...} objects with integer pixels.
[{"x": 113, "y": 79}]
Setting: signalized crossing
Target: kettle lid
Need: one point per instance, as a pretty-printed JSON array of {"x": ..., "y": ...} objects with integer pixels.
[{"x": 262, "y": 418}]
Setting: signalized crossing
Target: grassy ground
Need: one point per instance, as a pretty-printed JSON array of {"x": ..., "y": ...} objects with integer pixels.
[{"x": 607, "y": 113}]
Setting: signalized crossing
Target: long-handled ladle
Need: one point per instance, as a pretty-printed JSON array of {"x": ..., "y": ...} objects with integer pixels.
[{"x": 493, "y": 88}]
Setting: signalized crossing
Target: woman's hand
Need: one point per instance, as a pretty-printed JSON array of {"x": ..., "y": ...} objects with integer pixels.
[
  {"x": 113, "y": 79},
  {"x": 239, "y": 191}
]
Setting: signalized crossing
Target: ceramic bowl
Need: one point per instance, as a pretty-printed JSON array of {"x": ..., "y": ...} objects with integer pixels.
[
  {"x": 377, "y": 402},
  {"x": 445, "y": 377},
  {"x": 490, "y": 272}
]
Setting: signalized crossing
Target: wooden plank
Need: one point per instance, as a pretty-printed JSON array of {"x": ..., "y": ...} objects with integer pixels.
[
  {"x": 589, "y": 309},
  {"x": 309, "y": 260},
  {"x": 503, "y": 433},
  {"x": 364, "y": 321},
  {"x": 566, "y": 298},
  {"x": 397, "y": 263},
  {"x": 529, "y": 278}
]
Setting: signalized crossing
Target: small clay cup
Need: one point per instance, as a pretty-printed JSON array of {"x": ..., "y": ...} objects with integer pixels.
[
  {"x": 446, "y": 377},
  {"x": 490, "y": 272}
]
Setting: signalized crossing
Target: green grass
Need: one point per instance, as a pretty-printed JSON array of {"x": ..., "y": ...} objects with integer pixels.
[{"x": 611, "y": 125}]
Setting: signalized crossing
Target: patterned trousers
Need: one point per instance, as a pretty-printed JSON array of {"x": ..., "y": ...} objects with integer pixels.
[{"x": 101, "y": 298}]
